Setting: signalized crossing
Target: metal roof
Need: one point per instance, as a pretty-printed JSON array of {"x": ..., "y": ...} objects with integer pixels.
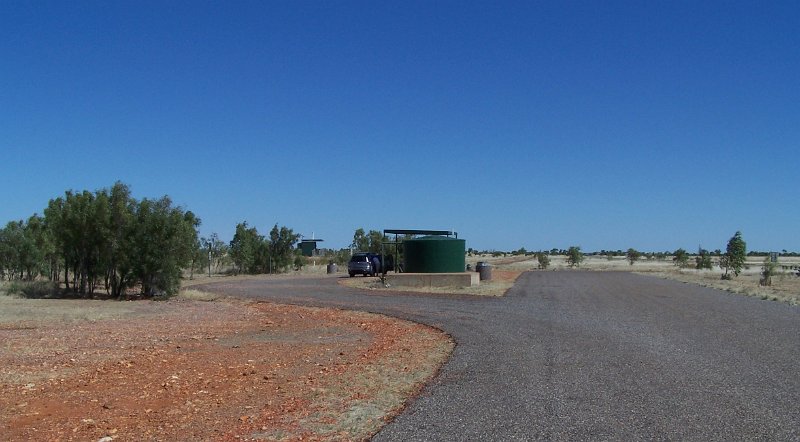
[{"x": 418, "y": 232}]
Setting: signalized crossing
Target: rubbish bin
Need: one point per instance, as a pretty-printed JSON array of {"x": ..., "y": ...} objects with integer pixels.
[
  {"x": 331, "y": 268},
  {"x": 485, "y": 270}
]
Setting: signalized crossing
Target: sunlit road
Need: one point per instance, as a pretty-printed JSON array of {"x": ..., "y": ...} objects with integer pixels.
[{"x": 590, "y": 356}]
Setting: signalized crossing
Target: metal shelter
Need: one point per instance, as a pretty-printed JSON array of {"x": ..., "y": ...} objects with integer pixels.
[{"x": 308, "y": 246}]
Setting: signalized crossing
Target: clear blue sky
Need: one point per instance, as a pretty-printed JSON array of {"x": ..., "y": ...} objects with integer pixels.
[{"x": 653, "y": 125}]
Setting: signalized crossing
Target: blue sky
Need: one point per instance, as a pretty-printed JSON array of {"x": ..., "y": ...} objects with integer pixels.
[{"x": 653, "y": 125}]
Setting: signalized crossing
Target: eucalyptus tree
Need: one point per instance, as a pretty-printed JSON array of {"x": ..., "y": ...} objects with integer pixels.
[
  {"x": 703, "y": 260},
  {"x": 633, "y": 255},
  {"x": 681, "y": 258},
  {"x": 371, "y": 241},
  {"x": 210, "y": 254},
  {"x": 74, "y": 226},
  {"x": 19, "y": 256},
  {"x": 119, "y": 246},
  {"x": 543, "y": 259},
  {"x": 163, "y": 242},
  {"x": 109, "y": 235},
  {"x": 281, "y": 247},
  {"x": 360, "y": 241},
  {"x": 735, "y": 255},
  {"x": 244, "y": 248},
  {"x": 574, "y": 256},
  {"x": 45, "y": 259}
]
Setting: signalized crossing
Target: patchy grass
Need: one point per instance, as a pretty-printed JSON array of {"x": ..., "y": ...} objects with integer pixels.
[
  {"x": 785, "y": 287},
  {"x": 501, "y": 281},
  {"x": 197, "y": 295}
]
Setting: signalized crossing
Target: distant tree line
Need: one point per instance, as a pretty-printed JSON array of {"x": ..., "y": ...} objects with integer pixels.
[
  {"x": 680, "y": 256},
  {"x": 104, "y": 238},
  {"x": 107, "y": 239}
]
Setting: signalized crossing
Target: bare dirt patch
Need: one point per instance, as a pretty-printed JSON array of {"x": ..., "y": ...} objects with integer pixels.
[{"x": 193, "y": 370}]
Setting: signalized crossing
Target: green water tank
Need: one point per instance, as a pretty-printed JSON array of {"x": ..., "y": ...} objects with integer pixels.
[{"x": 434, "y": 254}]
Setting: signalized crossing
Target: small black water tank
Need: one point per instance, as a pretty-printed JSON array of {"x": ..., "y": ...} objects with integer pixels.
[{"x": 485, "y": 269}]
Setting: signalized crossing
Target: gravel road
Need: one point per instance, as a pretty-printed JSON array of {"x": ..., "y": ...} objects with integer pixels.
[{"x": 576, "y": 355}]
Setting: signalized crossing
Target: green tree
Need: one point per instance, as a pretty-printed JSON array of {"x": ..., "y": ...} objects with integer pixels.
[
  {"x": 45, "y": 258},
  {"x": 376, "y": 239},
  {"x": 218, "y": 251},
  {"x": 633, "y": 255},
  {"x": 681, "y": 258},
  {"x": 164, "y": 240},
  {"x": 544, "y": 260},
  {"x": 19, "y": 257},
  {"x": 703, "y": 260},
  {"x": 768, "y": 270},
  {"x": 574, "y": 256},
  {"x": 54, "y": 224},
  {"x": 735, "y": 256},
  {"x": 243, "y": 248},
  {"x": 360, "y": 241},
  {"x": 77, "y": 230},
  {"x": 281, "y": 247},
  {"x": 119, "y": 251},
  {"x": 108, "y": 238},
  {"x": 367, "y": 241}
]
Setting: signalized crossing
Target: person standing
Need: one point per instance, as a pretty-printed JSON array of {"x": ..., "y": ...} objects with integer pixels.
[{"x": 376, "y": 265}]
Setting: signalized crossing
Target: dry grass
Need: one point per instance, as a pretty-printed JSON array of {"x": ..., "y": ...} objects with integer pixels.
[
  {"x": 502, "y": 280},
  {"x": 307, "y": 272},
  {"x": 785, "y": 286},
  {"x": 197, "y": 295}
]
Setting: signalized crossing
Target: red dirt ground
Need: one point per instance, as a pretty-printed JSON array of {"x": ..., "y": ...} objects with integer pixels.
[{"x": 189, "y": 370}]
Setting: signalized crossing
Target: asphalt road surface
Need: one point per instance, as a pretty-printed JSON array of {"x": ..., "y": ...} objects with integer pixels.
[{"x": 589, "y": 356}]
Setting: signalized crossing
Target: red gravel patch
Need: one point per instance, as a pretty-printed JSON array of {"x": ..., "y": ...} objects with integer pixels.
[{"x": 188, "y": 370}]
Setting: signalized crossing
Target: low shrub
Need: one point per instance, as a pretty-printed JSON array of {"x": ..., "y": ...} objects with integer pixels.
[
  {"x": 32, "y": 289},
  {"x": 768, "y": 270}
]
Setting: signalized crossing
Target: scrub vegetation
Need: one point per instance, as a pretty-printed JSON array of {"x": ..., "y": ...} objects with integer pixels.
[{"x": 107, "y": 240}]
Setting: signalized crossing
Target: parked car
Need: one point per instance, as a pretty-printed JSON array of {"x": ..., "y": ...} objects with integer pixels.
[
  {"x": 367, "y": 263},
  {"x": 363, "y": 264}
]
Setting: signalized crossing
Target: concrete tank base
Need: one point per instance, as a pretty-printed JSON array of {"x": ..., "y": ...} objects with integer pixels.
[{"x": 461, "y": 279}]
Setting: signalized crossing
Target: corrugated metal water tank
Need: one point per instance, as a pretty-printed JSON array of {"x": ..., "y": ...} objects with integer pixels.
[{"x": 434, "y": 254}]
